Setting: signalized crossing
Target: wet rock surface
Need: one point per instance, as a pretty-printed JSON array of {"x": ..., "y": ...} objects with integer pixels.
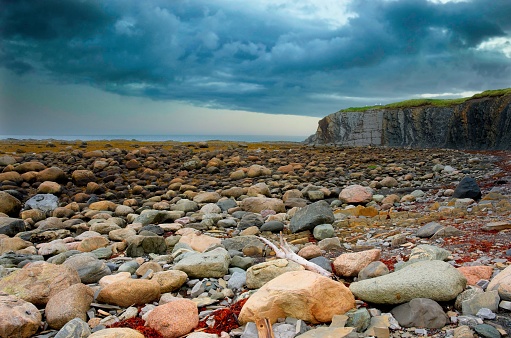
[{"x": 122, "y": 233}]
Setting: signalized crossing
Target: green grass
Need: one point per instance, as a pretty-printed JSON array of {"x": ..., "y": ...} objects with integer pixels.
[{"x": 431, "y": 102}]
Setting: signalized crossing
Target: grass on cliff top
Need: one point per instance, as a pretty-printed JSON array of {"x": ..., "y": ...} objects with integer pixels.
[{"x": 431, "y": 102}]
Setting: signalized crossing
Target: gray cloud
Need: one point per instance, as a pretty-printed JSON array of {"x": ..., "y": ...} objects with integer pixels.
[{"x": 237, "y": 56}]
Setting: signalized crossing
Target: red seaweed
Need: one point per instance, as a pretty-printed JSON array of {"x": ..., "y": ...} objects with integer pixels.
[
  {"x": 139, "y": 325},
  {"x": 222, "y": 319}
]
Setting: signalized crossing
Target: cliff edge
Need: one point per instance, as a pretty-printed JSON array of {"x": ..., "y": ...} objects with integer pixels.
[{"x": 480, "y": 122}]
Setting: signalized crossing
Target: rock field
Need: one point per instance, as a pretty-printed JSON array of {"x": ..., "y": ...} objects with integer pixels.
[{"x": 166, "y": 239}]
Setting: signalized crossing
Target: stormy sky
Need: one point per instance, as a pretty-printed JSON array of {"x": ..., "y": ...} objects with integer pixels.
[{"x": 84, "y": 67}]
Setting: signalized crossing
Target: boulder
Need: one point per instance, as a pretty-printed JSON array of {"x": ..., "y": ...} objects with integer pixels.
[
  {"x": 117, "y": 333},
  {"x": 82, "y": 177},
  {"x": 30, "y": 166},
  {"x": 477, "y": 301},
  {"x": 43, "y": 202},
  {"x": 52, "y": 174},
  {"x": 302, "y": 295},
  {"x": 174, "y": 319},
  {"x": 207, "y": 197},
  {"x": 502, "y": 283},
  {"x": 9, "y": 204},
  {"x": 420, "y": 312},
  {"x": 199, "y": 242},
  {"x": 310, "y": 216},
  {"x": 467, "y": 188},
  {"x": 142, "y": 245},
  {"x": 350, "y": 264},
  {"x": 259, "y": 189},
  {"x": 475, "y": 273},
  {"x": 130, "y": 291},
  {"x": 323, "y": 231},
  {"x": 372, "y": 270},
  {"x": 214, "y": 263},
  {"x": 429, "y": 229},
  {"x": 435, "y": 280},
  {"x": 169, "y": 280},
  {"x": 72, "y": 302},
  {"x": 257, "y": 170},
  {"x": 75, "y": 328},
  {"x": 13, "y": 244},
  {"x": 5, "y": 160},
  {"x": 18, "y": 318},
  {"x": 38, "y": 281},
  {"x": 88, "y": 266},
  {"x": 258, "y": 204},
  {"x": 356, "y": 194},
  {"x": 11, "y": 176},
  {"x": 11, "y": 226}
]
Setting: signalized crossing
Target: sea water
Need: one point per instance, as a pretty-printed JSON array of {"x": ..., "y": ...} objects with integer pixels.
[{"x": 156, "y": 138}]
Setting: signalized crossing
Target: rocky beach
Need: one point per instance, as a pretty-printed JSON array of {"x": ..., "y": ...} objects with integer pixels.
[{"x": 228, "y": 239}]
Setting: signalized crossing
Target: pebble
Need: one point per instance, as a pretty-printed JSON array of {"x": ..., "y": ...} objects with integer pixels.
[{"x": 134, "y": 222}]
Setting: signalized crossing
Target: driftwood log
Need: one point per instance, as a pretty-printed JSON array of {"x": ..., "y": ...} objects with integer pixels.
[
  {"x": 264, "y": 329},
  {"x": 286, "y": 252}
]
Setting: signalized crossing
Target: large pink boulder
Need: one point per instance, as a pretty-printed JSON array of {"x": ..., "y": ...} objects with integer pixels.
[
  {"x": 303, "y": 295},
  {"x": 174, "y": 319}
]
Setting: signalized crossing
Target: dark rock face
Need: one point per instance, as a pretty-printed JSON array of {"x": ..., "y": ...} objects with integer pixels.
[{"x": 482, "y": 123}]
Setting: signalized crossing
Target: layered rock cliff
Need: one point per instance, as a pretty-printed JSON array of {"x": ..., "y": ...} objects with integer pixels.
[{"x": 480, "y": 123}]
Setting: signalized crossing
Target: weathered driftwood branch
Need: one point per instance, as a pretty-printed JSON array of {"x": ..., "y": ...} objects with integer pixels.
[
  {"x": 264, "y": 329},
  {"x": 286, "y": 252}
]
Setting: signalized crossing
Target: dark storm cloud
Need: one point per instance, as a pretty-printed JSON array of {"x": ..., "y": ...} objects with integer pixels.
[{"x": 239, "y": 56}]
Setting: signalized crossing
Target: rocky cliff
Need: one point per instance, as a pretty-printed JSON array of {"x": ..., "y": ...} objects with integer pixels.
[{"x": 477, "y": 123}]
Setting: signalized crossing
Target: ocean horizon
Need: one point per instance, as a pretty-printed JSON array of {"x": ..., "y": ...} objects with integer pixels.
[{"x": 162, "y": 138}]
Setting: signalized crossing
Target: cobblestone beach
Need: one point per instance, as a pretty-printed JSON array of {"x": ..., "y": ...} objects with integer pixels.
[{"x": 166, "y": 239}]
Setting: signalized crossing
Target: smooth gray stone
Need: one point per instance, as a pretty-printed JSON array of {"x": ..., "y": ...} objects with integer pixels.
[
  {"x": 75, "y": 328},
  {"x": 250, "y": 219},
  {"x": 141, "y": 245},
  {"x": 273, "y": 226},
  {"x": 435, "y": 280},
  {"x": 43, "y": 202},
  {"x": 130, "y": 266},
  {"x": 227, "y": 204},
  {"x": 240, "y": 242},
  {"x": 11, "y": 226},
  {"x": 61, "y": 257},
  {"x": 242, "y": 262},
  {"x": 12, "y": 260},
  {"x": 213, "y": 263},
  {"x": 374, "y": 269},
  {"x": 310, "y": 216},
  {"x": 89, "y": 268},
  {"x": 489, "y": 300},
  {"x": 237, "y": 280},
  {"x": 429, "y": 229},
  {"x": 360, "y": 319},
  {"x": 323, "y": 262},
  {"x": 420, "y": 312},
  {"x": 487, "y": 331},
  {"x": 323, "y": 231}
]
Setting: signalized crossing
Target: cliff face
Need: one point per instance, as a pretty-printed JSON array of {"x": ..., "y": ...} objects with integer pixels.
[{"x": 483, "y": 123}]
